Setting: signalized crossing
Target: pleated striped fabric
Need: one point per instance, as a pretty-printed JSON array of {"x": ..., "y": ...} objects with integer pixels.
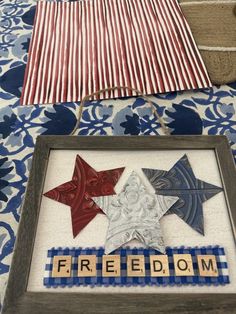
[{"x": 80, "y": 47}]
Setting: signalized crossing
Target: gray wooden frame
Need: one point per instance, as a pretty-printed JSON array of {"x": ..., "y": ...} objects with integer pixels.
[{"x": 19, "y": 300}]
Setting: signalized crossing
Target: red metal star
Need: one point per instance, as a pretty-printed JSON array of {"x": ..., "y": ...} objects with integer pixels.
[{"x": 77, "y": 193}]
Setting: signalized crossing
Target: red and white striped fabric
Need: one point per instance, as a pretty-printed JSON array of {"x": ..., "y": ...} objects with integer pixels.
[{"x": 80, "y": 47}]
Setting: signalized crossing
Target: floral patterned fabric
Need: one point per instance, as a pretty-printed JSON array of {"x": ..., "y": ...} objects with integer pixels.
[{"x": 210, "y": 111}]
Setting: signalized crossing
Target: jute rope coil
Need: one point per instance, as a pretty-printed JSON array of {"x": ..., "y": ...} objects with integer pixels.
[{"x": 148, "y": 99}]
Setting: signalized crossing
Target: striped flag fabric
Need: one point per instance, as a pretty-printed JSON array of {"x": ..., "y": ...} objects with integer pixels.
[{"x": 80, "y": 47}]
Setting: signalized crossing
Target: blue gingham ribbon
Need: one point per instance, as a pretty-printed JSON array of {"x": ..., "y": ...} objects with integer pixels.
[{"x": 123, "y": 280}]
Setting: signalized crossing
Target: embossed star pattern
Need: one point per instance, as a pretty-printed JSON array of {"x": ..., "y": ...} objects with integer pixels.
[
  {"x": 77, "y": 193},
  {"x": 134, "y": 214}
]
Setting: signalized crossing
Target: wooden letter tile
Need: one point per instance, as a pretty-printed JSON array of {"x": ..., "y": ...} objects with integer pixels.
[
  {"x": 61, "y": 266},
  {"x": 207, "y": 266},
  {"x": 135, "y": 266},
  {"x": 111, "y": 266},
  {"x": 159, "y": 266},
  {"x": 87, "y": 266},
  {"x": 183, "y": 265}
]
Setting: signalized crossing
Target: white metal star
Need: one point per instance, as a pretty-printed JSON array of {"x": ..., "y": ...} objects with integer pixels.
[{"x": 134, "y": 214}]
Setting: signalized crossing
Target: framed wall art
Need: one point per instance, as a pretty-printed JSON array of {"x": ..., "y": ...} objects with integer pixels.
[{"x": 132, "y": 224}]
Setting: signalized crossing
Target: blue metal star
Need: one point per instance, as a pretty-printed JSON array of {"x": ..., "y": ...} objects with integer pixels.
[{"x": 180, "y": 181}]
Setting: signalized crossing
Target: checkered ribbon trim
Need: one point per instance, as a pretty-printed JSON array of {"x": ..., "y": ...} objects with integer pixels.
[{"x": 123, "y": 280}]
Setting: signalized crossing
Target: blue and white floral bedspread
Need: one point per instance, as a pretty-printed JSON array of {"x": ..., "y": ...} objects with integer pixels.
[{"x": 205, "y": 112}]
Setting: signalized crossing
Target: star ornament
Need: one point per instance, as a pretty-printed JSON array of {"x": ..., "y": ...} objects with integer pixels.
[
  {"x": 180, "y": 181},
  {"x": 77, "y": 193},
  {"x": 134, "y": 214}
]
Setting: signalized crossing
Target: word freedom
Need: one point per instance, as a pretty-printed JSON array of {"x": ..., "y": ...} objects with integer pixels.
[{"x": 159, "y": 266}]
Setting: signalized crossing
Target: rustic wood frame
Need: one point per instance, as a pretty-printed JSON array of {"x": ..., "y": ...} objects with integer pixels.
[{"x": 19, "y": 300}]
